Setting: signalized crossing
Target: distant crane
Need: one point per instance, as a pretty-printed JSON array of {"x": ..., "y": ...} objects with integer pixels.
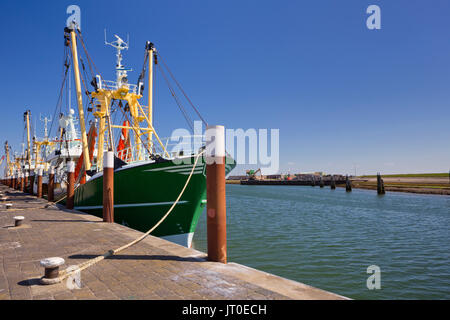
[{"x": 251, "y": 174}]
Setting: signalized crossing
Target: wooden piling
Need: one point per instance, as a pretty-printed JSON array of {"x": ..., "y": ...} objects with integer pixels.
[
  {"x": 25, "y": 182},
  {"x": 332, "y": 183},
  {"x": 31, "y": 187},
  {"x": 70, "y": 184},
  {"x": 14, "y": 181},
  {"x": 22, "y": 181},
  {"x": 39, "y": 183},
  {"x": 380, "y": 184},
  {"x": 51, "y": 184},
  {"x": 215, "y": 194},
  {"x": 348, "y": 184},
  {"x": 322, "y": 183},
  {"x": 108, "y": 186}
]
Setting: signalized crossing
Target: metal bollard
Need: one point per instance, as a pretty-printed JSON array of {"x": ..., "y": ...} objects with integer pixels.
[
  {"x": 18, "y": 221},
  {"x": 51, "y": 266}
]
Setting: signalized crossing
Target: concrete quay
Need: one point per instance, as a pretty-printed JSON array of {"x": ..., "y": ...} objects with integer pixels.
[{"x": 152, "y": 269}]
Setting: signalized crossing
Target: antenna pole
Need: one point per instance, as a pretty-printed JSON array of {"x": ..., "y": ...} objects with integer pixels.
[{"x": 150, "y": 49}]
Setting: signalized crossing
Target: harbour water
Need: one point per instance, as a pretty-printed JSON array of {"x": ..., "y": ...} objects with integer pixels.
[{"x": 327, "y": 238}]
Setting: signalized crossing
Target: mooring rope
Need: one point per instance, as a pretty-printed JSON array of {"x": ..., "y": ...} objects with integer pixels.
[{"x": 80, "y": 267}]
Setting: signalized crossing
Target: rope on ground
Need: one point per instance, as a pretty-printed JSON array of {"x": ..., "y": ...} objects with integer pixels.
[{"x": 80, "y": 267}]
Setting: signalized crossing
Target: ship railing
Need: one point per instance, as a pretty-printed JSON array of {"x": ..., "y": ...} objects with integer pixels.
[
  {"x": 184, "y": 146},
  {"x": 113, "y": 85}
]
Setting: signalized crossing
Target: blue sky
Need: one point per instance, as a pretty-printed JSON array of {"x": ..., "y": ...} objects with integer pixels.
[{"x": 342, "y": 96}]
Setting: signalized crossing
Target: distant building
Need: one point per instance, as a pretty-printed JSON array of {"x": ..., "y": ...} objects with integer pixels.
[
  {"x": 273, "y": 176},
  {"x": 237, "y": 178}
]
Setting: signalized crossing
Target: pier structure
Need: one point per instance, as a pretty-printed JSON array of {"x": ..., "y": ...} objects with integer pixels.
[
  {"x": 348, "y": 184},
  {"x": 380, "y": 184},
  {"x": 152, "y": 269}
]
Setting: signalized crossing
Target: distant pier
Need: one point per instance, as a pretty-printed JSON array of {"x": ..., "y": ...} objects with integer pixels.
[{"x": 317, "y": 182}]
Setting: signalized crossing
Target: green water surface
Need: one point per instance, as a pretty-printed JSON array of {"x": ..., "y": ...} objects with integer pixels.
[{"x": 327, "y": 238}]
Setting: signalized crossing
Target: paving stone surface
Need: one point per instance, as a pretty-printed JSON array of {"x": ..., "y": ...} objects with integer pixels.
[{"x": 151, "y": 269}]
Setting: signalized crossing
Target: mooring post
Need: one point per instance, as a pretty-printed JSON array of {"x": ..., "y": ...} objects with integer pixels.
[
  {"x": 348, "y": 184},
  {"x": 25, "y": 182},
  {"x": 321, "y": 184},
  {"x": 18, "y": 221},
  {"x": 70, "y": 184},
  {"x": 51, "y": 184},
  {"x": 51, "y": 266},
  {"x": 332, "y": 183},
  {"x": 32, "y": 177},
  {"x": 379, "y": 191},
  {"x": 15, "y": 180},
  {"x": 108, "y": 186},
  {"x": 39, "y": 182},
  {"x": 380, "y": 184},
  {"x": 215, "y": 194},
  {"x": 22, "y": 181}
]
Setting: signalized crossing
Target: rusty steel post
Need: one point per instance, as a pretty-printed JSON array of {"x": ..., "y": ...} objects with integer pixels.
[
  {"x": 70, "y": 184},
  {"x": 15, "y": 180},
  {"x": 51, "y": 184},
  {"x": 22, "y": 181},
  {"x": 108, "y": 186},
  {"x": 39, "y": 183},
  {"x": 32, "y": 177},
  {"x": 25, "y": 182},
  {"x": 215, "y": 194}
]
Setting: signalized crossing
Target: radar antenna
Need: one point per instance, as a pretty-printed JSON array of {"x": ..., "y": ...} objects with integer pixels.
[{"x": 121, "y": 72}]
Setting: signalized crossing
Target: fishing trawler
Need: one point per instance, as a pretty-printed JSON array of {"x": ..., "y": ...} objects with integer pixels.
[{"x": 148, "y": 177}]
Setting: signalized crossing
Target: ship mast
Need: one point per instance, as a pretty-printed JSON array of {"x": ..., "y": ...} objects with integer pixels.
[
  {"x": 27, "y": 120},
  {"x": 8, "y": 160},
  {"x": 150, "y": 49},
  {"x": 87, "y": 163}
]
